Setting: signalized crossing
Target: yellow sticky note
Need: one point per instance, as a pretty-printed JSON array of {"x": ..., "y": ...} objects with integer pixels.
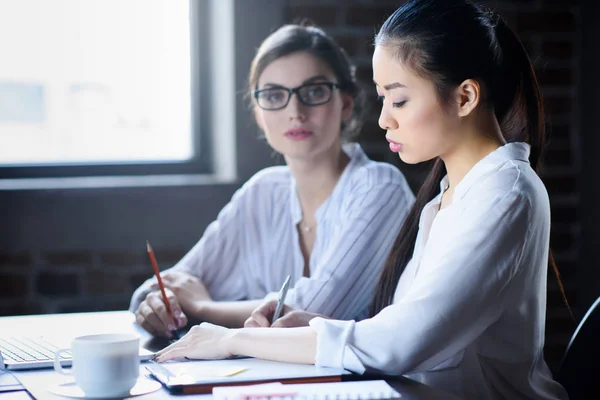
[{"x": 200, "y": 371}]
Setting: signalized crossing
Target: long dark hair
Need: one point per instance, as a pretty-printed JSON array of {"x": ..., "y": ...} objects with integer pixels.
[
  {"x": 448, "y": 42},
  {"x": 294, "y": 38}
]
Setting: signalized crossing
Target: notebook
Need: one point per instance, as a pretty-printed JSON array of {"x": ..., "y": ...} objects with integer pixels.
[
  {"x": 201, "y": 376},
  {"x": 22, "y": 353},
  {"x": 355, "y": 390}
]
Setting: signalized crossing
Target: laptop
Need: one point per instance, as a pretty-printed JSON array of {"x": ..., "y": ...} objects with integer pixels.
[{"x": 28, "y": 352}]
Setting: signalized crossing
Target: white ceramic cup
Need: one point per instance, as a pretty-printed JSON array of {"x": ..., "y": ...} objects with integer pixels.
[{"x": 104, "y": 365}]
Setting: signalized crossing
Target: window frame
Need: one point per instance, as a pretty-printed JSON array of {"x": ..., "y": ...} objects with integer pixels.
[{"x": 202, "y": 160}]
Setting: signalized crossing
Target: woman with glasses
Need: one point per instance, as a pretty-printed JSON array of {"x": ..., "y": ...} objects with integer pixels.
[{"x": 327, "y": 219}]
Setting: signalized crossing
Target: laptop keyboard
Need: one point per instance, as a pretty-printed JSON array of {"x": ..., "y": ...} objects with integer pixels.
[{"x": 28, "y": 349}]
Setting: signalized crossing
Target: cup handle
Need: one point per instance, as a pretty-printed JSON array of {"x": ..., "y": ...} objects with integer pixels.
[{"x": 57, "y": 367}]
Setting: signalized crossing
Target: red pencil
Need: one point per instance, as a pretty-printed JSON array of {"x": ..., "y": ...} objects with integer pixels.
[{"x": 160, "y": 282}]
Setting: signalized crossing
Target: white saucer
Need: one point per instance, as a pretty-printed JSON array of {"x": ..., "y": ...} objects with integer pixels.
[{"x": 69, "y": 389}]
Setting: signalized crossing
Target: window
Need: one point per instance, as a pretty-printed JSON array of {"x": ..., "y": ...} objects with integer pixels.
[{"x": 91, "y": 88}]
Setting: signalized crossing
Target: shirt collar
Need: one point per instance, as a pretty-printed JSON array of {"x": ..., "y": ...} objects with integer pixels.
[{"x": 516, "y": 151}]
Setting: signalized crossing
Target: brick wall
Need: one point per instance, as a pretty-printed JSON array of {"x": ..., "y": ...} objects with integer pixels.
[
  {"x": 549, "y": 30},
  {"x": 75, "y": 281}
]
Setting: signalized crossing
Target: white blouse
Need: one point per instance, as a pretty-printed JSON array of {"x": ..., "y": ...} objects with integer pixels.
[
  {"x": 469, "y": 310},
  {"x": 254, "y": 244}
]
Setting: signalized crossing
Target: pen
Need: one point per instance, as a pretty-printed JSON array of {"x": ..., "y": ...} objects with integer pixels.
[
  {"x": 160, "y": 282},
  {"x": 281, "y": 298}
]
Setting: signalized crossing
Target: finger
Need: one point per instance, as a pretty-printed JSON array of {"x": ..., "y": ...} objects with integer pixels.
[
  {"x": 180, "y": 319},
  {"x": 150, "y": 321},
  {"x": 280, "y": 323},
  {"x": 250, "y": 323},
  {"x": 287, "y": 321},
  {"x": 159, "y": 309},
  {"x": 175, "y": 352},
  {"x": 260, "y": 319},
  {"x": 167, "y": 278},
  {"x": 141, "y": 321},
  {"x": 156, "y": 303},
  {"x": 183, "y": 342},
  {"x": 170, "y": 287},
  {"x": 264, "y": 313}
]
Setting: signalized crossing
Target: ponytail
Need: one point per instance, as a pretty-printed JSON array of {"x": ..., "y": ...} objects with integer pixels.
[
  {"x": 517, "y": 100},
  {"x": 519, "y": 107}
]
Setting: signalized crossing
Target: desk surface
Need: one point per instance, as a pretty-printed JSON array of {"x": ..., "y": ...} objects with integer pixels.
[{"x": 63, "y": 327}]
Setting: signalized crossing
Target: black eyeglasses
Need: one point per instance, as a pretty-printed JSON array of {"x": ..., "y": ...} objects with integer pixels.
[{"x": 309, "y": 94}]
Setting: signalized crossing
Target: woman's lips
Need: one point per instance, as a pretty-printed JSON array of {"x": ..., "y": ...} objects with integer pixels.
[
  {"x": 395, "y": 146},
  {"x": 298, "y": 133}
]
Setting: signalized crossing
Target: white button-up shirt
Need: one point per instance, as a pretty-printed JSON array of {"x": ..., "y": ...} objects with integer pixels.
[
  {"x": 253, "y": 245},
  {"x": 469, "y": 310}
]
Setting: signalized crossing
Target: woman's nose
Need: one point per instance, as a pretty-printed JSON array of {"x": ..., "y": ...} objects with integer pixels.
[
  {"x": 386, "y": 121},
  {"x": 295, "y": 109}
]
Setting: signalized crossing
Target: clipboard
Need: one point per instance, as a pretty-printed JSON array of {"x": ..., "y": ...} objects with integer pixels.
[{"x": 251, "y": 371}]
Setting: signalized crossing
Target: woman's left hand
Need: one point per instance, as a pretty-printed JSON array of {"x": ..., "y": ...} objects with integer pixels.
[{"x": 205, "y": 341}]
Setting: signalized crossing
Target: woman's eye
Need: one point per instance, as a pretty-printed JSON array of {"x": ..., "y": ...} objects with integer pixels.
[
  {"x": 272, "y": 97},
  {"x": 316, "y": 93},
  {"x": 398, "y": 104}
]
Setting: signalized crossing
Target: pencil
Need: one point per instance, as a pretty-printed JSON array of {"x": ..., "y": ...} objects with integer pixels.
[{"x": 160, "y": 282}]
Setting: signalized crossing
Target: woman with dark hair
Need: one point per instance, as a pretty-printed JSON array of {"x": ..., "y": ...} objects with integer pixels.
[
  {"x": 461, "y": 302},
  {"x": 327, "y": 219}
]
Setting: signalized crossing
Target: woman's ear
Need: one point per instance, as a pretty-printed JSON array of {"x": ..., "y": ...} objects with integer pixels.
[
  {"x": 468, "y": 96},
  {"x": 347, "y": 106}
]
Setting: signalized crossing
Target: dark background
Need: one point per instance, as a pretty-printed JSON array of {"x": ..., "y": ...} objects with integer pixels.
[{"x": 68, "y": 250}]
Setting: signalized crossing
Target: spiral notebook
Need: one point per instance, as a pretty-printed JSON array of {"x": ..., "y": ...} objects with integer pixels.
[{"x": 354, "y": 390}]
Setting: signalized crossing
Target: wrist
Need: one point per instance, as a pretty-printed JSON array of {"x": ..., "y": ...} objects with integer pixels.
[
  {"x": 231, "y": 342},
  {"x": 202, "y": 310}
]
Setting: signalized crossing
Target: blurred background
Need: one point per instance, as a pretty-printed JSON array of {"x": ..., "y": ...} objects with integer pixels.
[{"x": 103, "y": 145}]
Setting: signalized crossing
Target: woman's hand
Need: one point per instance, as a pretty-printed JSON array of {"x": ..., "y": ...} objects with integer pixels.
[
  {"x": 152, "y": 314},
  {"x": 262, "y": 316},
  {"x": 188, "y": 289},
  {"x": 205, "y": 341}
]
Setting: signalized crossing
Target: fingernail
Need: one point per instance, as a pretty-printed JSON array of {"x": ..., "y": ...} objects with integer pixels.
[{"x": 177, "y": 313}]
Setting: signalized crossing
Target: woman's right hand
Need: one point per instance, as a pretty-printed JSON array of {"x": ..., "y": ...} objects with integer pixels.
[
  {"x": 191, "y": 293},
  {"x": 261, "y": 317},
  {"x": 290, "y": 317},
  {"x": 152, "y": 314}
]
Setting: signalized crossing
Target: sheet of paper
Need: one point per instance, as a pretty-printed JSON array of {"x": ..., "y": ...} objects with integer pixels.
[
  {"x": 200, "y": 371},
  {"x": 188, "y": 373},
  {"x": 378, "y": 389}
]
